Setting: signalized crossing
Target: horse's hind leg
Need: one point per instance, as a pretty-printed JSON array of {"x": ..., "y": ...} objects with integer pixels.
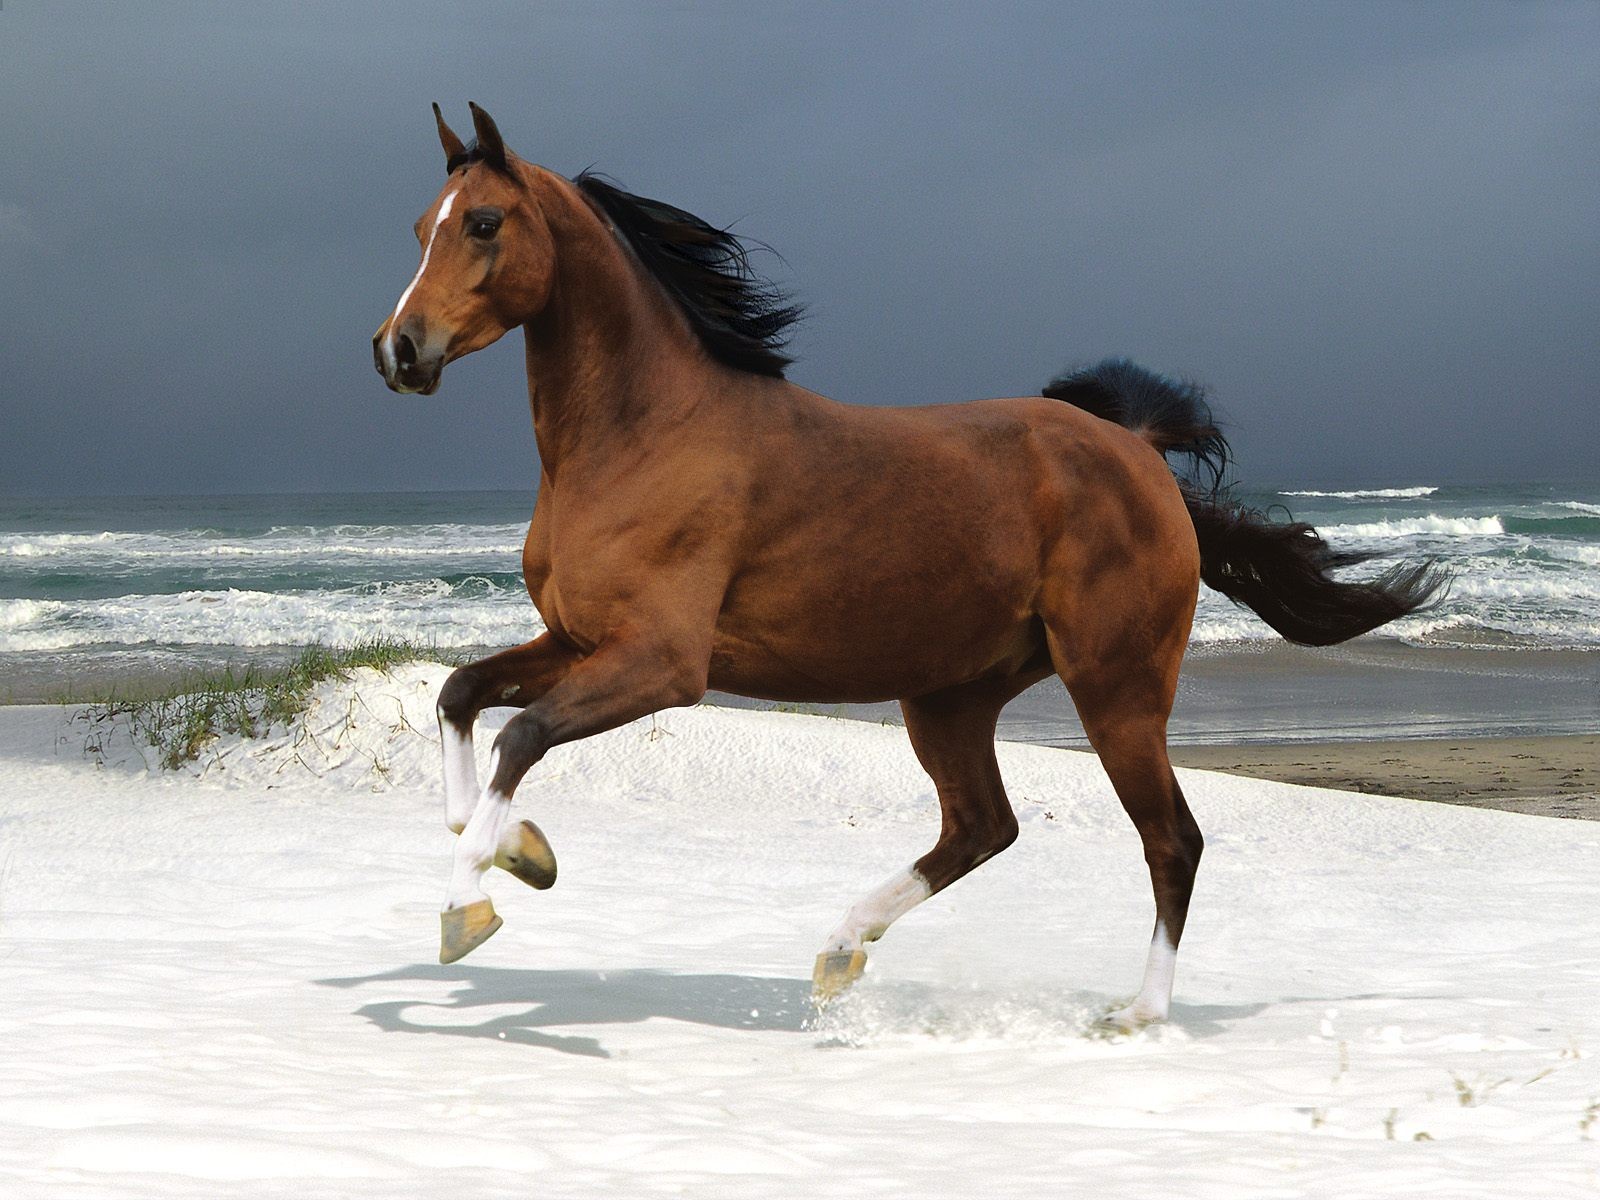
[
  {"x": 953, "y": 735},
  {"x": 511, "y": 679},
  {"x": 1124, "y": 711}
]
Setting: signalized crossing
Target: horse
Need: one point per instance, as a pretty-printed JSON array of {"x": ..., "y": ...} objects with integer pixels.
[{"x": 701, "y": 522}]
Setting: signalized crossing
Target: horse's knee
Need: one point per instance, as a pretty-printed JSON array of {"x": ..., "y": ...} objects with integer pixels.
[{"x": 458, "y": 698}]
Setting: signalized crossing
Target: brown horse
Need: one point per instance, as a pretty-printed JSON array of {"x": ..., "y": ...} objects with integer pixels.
[{"x": 702, "y": 523}]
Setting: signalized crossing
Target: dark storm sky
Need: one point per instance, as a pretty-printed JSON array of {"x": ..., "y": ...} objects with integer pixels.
[{"x": 1374, "y": 230}]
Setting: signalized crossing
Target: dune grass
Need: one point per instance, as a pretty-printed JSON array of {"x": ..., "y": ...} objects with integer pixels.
[{"x": 179, "y": 720}]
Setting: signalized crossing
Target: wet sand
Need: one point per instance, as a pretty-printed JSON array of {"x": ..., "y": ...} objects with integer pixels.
[{"x": 1555, "y": 776}]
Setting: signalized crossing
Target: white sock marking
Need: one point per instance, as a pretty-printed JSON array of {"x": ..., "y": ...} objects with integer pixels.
[
  {"x": 460, "y": 775},
  {"x": 476, "y": 847},
  {"x": 1155, "y": 995},
  {"x": 873, "y": 914},
  {"x": 1154, "y": 1000}
]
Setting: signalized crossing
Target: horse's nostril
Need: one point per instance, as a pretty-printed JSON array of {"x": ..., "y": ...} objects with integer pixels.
[{"x": 405, "y": 351}]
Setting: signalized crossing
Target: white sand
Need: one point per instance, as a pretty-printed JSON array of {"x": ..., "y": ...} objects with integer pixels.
[{"x": 221, "y": 983}]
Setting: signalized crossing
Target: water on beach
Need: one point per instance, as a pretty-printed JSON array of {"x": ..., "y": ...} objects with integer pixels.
[{"x": 95, "y": 585}]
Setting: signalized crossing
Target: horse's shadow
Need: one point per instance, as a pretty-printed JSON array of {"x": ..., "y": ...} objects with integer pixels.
[
  {"x": 542, "y": 1001},
  {"x": 557, "y": 998}
]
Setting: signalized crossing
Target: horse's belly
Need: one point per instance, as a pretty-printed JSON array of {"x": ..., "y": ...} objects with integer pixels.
[{"x": 884, "y": 655}]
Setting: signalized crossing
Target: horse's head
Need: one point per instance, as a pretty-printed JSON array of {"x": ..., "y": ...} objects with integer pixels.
[{"x": 487, "y": 262}]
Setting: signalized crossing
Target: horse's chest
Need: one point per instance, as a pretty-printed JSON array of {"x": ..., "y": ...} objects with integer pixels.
[
  {"x": 538, "y": 576},
  {"x": 570, "y": 596}
]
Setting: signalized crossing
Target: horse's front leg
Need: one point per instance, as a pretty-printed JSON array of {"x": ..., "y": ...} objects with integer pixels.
[
  {"x": 511, "y": 679},
  {"x": 624, "y": 679}
]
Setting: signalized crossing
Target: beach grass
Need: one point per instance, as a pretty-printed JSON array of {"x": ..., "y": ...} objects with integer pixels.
[{"x": 182, "y": 717}]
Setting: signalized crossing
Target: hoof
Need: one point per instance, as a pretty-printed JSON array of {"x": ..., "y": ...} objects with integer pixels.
[
  {"x": 533, "y": 861},
  {"x": 463, "y": 930},
  {"x": 1126, "y": 1020},
  {"x": 835, "y": 971}
]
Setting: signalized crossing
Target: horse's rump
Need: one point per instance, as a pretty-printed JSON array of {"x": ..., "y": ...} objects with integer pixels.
[{"x": 1283, "y": 570}]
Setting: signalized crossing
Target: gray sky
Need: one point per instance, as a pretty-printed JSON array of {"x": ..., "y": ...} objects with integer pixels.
[{"x": 1373, "y": 230}]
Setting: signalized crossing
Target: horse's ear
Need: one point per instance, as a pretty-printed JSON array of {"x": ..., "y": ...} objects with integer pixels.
[
  {"x": 489, "y": 142},
  {"x": 453, "y": 149}
]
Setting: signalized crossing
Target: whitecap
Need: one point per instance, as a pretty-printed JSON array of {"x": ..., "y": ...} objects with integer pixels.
[
  {"x": 289, "y": 543},
  {"x": 1433, "y": 523},
  {"x": 1588, "y": 555},
  {"x": 19, "y": 614},
  {"x": 423, "y": 611},
  {"x": 1577, "y": 586},
  {"x": 1402, "y": 493}
]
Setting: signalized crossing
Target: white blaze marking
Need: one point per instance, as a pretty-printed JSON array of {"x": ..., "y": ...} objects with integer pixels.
[
  {"x": 444, "y": 211},
  {"x": 867, "y": 920}
]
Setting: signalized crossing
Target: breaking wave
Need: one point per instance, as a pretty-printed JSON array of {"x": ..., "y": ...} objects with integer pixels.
[
  {"x": 300, "y": 543},
  {"x": 435, "y": 612},
  {"x": 1403, "y": 493},
  {"x": 1578, "y": 526},
  {"x": 1433, "y": 523}
]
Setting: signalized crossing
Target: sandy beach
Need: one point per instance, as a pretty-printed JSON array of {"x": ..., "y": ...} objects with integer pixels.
[
  {"x": 1543, "y": 776},
  {"x": 221, "y": 980}
]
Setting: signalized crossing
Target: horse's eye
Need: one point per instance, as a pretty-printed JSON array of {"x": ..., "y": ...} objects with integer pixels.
[{"x": 483, "y": 224}]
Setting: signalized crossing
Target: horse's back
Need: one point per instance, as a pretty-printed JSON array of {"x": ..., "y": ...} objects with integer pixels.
[
  {"x": 876, "y": 534},
  {"x": 1042, "y": 468}
]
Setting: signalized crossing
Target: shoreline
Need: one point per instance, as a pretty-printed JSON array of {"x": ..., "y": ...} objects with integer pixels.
[
  {"x": 1555, "y": 775},
  {"x": 1251, "y": 719},
  {"x": 1255, "y": 692}
]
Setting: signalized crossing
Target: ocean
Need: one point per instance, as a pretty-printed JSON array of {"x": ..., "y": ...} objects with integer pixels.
[{"x": 128, "y": 587}]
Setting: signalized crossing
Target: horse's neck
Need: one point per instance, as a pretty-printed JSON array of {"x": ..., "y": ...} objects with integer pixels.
[{"x": 609, "y": 360}]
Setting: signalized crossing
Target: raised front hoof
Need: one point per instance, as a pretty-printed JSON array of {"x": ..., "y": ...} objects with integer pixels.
[
  {"x": 835, "y": 971},
  {"x": 463, "y": 930},
  {"x": 533, "y": 861},
  {"x": 1130, "y": 1019}
]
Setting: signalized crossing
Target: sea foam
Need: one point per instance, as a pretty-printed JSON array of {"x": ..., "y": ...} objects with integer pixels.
[
  {"x": 282, "y": 543},
  {"x": 1401, "y": 493},
  {"x": 1433, "y": 523},
  {"x": 429, "y": 612}
]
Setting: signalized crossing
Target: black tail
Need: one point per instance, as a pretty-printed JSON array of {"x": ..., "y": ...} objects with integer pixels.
[{"x": 1280, "y": 569}]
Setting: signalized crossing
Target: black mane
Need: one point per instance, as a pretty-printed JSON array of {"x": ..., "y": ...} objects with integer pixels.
[{"x": 742, "y": 319}]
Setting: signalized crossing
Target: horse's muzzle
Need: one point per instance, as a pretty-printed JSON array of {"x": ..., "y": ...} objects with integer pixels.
[{"x": 405, "y": 360}]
